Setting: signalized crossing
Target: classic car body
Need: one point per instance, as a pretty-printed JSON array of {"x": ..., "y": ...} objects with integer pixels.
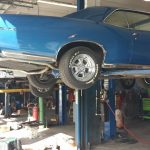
[{"x": 36, "y": 44}]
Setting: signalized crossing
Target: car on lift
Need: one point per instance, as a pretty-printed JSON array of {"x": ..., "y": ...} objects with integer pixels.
[{"x": 81, "y": 46}]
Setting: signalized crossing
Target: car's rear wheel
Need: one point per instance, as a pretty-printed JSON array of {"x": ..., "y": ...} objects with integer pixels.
[
  {"x": 79, "y": 67},
  {"x": 41, "y": 81},
  {"x": 127, "y": 83},
  {"x": 144, "y": 82},
  {"x": 41, "y": 92}
]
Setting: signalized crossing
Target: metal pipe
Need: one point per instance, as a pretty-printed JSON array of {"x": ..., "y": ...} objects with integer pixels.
[
  {"x": 41, "y": 111},
  {"x": 6, "y": 101}
]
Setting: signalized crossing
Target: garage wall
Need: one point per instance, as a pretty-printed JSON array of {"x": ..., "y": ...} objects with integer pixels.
[
  {"x": 57, "y": 10},
  {"x": 133, "y": 4},
  {"x": 42, "y": 9}
]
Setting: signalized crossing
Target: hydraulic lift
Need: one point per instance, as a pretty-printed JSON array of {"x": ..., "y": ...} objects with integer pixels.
[
  {"x": 89, "y": 121},
  {"x": 90, "y": 128},
  {"x": 62, "y": 105}
]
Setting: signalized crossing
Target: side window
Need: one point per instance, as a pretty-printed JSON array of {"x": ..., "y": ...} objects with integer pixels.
[
  {"x": 117, "y": 19},
  {"x": 138, "y": 21}
]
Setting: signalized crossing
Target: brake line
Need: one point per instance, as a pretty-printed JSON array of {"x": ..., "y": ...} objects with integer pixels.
[{"x": 134, "y": 135}]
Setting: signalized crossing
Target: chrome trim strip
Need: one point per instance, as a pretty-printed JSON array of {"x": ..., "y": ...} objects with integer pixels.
[
  {"x": 86, "y": 41},
  {"x": 134, "y": 10},
  {"x": 125, "y": 66},
  {"x": 110, "y": 14},
  {"x": 117, "y": 74},
  {"x": 30, "y": 62},
  {"x": 27, "y": 56}
]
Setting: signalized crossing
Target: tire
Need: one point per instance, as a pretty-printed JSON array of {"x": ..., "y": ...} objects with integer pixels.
[
  {"x": 143, "y": 83},
  {"x": 79, "y": 67},
  {"x": 35, "y": 81},
  {"x": 37, "y": 92},
  {"x": 127, "y": 83}
]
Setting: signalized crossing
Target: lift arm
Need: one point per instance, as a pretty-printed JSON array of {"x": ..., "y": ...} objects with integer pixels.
[{"x": 13, "y": 90}]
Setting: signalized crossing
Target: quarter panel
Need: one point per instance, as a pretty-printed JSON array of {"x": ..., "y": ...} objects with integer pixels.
[
  {"x": 141, "y": 51},
  {"x": 116, "y": 41},
  {"x": 47, "y": 35}
]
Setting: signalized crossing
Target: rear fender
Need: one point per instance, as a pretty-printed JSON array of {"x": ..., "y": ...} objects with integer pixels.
[{"x": 92, "y": 45}]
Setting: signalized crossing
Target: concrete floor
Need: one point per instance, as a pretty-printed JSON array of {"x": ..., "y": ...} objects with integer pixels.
[
  {"x": 139, "y": 127},
  {"x": 118, "y": 146},
  {"x": 36, "y": 138}
]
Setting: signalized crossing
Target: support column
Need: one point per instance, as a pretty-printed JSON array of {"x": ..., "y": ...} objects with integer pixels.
[
  {"x": 7, "y": 98},
  {"x": 57, "y": 101},
  {"x": 87, "y": 125},
  {"x": 80, "y": 4},
  {"x": 62, "y": 104},
  {"x": 77, "y": 119},
  {"x": 111, "y": 96},
  {"x": 41, "y": 111},
  {"x": 109, "y": 109}
]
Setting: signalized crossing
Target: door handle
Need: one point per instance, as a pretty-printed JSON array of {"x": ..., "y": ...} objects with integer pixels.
[{"x": 135, "y": 34}]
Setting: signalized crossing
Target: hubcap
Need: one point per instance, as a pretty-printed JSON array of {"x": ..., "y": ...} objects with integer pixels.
[{"x": 83, "y": 67}]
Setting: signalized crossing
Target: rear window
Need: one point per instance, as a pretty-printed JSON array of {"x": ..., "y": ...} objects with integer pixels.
[
  {"x": 117, "y": 19},
  {"x": 138, "y": 21}
]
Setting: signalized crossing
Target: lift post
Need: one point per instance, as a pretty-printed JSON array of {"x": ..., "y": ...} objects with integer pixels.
[
  {"x": 80, "y": 4},
  {"x": 87, "y": 123},
  {"x": 7, "y": 98},
  {"x": 77, "y": 118},
  {"x": 111, "y": 97},
  {"x": 62, "y": 104}
]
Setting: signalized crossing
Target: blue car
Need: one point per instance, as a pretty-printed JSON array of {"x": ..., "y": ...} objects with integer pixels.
[{"x": 81, "y": 46}]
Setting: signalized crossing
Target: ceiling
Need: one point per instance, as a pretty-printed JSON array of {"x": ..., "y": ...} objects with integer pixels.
[{"x": 63, "y": 7}]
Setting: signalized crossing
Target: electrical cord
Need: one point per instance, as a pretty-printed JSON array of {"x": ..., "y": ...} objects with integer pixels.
[{"x": 134, "y": 135}]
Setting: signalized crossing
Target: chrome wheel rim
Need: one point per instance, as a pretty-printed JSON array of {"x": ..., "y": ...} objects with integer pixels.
[
  {"x": 43, "y": 78},
  {"x": 83, "y": 67},
  {"x": 43, "y": 90},
  {"x": 147, "y": 80}
]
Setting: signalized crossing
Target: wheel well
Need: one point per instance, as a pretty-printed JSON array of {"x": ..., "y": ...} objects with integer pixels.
[{"x": 95, "y": 47}]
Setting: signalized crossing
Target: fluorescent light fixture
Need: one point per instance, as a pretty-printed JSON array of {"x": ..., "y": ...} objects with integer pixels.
[
  {"x": 147, "y": 0},
  {"x": 57, "y": 4}
]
